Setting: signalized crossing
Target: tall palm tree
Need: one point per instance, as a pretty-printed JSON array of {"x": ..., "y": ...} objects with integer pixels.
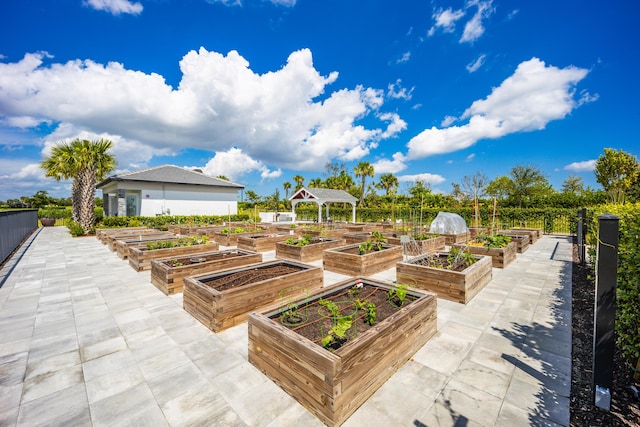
[
  {"x": 85, "y": 162},
  {"x": 388, "y": 182},
  {"x": 61, "y": 165},
  {"x": 315, "y": 183},
  {"x": 287, "y": 186},
  {"x": 299, "y": 179},
  {"x": 363, "y": 170}
]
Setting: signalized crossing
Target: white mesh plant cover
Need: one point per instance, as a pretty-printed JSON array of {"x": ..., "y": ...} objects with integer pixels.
[{"x": 448, "y": 223}]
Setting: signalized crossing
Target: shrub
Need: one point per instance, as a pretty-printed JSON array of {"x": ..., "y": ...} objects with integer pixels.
[
  {"x": 628, "y": 281},
  {"x": 75, "y": 228}
]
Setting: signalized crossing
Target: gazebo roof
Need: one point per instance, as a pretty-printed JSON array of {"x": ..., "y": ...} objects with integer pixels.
[{"x": 322, "y": 196}]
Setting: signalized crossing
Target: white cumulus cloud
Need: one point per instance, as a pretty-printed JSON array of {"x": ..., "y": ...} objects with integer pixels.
[
  {"x": 395, "y": 165},
  {"x": 526, "y": 101},
  {"x": 427, "y": 178},
  {"x": 585, "y": 166},
  {"x": 234, "y": 164},
  {"x": 115, "y": 7},
  {"x": 220, "y": 103}
]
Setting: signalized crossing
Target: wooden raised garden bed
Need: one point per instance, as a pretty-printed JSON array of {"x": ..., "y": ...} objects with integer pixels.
[
  {"x": 500, "y": 257},
  {"x": 534, "y": 233},
  {"x": 347, "y": 260},
  {"x": 112, "y": 239},
  {"x": 307, "y": 253},
  {"x": 363, "y": 236},
  {"x": 103, "y": 233},
  {"x": 452, "y": 239},
  {"x": 261, "y": 242},
  {"x": 230, "y": 239},
  {"x": 333, "y": 380},
  {"x": 459, "y": 286},
  {"x": 521, "y": 241},
  {"x": 428, "y": 245},
  {"x": 140, "y": 256},
  {"x": 224, "y": 299},
  {"x": 123, "y": 246},
  {"x": 168, "y": 274}
]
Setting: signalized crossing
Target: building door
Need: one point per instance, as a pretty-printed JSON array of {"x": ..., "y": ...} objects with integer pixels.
[{"x": 132, "y": 204}]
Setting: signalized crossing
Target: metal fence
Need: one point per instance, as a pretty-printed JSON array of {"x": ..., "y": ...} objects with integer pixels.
[{"x": 15, "y": 226}]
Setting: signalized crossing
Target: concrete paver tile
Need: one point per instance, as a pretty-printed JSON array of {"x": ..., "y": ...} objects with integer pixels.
[
  {"x": 65, "y": 407},
  {"x": 52, "y": 382}
]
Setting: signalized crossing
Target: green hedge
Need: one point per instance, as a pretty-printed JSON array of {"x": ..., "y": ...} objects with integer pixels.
[
  {"x": 628, "y": 283},
  {"x": 161, "y": 222},
  {"x": 552, "y": 220}
]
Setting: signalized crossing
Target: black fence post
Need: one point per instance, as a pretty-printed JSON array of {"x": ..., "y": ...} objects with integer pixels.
[{"x": 605, "y": 310}]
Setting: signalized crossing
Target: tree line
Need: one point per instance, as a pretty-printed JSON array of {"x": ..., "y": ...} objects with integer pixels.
[{"x": 525, "y": 186}]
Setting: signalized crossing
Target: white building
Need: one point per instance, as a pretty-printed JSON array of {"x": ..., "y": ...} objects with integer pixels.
[{"x": 168, "y": 190}]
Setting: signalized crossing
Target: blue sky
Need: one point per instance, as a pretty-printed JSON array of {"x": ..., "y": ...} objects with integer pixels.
[{"x": 262, "y": 90}]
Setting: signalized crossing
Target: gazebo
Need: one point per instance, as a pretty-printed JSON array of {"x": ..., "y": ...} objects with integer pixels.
[{"x": 322, "y": 196}]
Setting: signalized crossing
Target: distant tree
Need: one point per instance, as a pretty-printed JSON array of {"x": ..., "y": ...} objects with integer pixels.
[
  {"x": 252, "y": 196},
  {"x": 457, "y": 193},
  {"x": 500, "y": 187},
  {"x": 315, "y": 183},
  {"x": 287, "y": 186},
  {"x": 419, "y": 190},
  {"x": 343, "y": 181},
  {"x": 273, "y": 201},
  {"x": 40, "y": 199},
  {"x": 334, "y": 168},
  {"x": 85, "y": 162},
  {"x": 223, "y": 177},
  {"x": 474, "y": 186},
  {"x": 299, "y": 180},
  {"x": 528, "y": 183},
  {"x": 573, "y": 184},
  {"x": 388, "y": 182},
  {"x": 616, "y": 171},
  {"x": 362, "y": 171}
]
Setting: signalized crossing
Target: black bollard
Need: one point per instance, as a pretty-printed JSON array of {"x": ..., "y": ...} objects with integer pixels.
[{"x": 605, "y": 310}]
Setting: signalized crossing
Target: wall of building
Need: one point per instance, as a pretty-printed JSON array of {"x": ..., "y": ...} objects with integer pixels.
[{"x": 172, "y": 199}]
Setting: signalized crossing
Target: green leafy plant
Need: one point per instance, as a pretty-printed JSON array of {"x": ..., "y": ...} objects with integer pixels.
[
  {"x": 185, "y": 241},
  {"x": 331, "y": 306},
  {"x": 371, "y": 312},
  {"x": 496, "y": 241},
  {"x": 375, "y": 243},
  {"x": 457, "y": 256},
  {"x": 338, "y": 331},
  {"x": 291, "y": 314},
  {"x": 75, "y": 228},
  {"x": 397, "y": 295}
]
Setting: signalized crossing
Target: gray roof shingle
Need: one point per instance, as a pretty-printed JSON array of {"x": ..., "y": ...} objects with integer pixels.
[{"x": 171, "y": 174}]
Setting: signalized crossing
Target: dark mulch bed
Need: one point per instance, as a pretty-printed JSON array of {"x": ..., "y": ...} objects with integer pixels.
[{"x": 625, "y": 407}]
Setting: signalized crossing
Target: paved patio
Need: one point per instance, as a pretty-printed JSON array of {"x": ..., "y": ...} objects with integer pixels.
[{"x": 87, "y": 341}]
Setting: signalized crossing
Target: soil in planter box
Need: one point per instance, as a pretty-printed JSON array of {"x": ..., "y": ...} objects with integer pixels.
[
  {"x": 441, "y": 261},
  {"x": 245, "y": 277},
  {"x": 197, "y": 259},
  {"x": 315, "y": 320}
]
